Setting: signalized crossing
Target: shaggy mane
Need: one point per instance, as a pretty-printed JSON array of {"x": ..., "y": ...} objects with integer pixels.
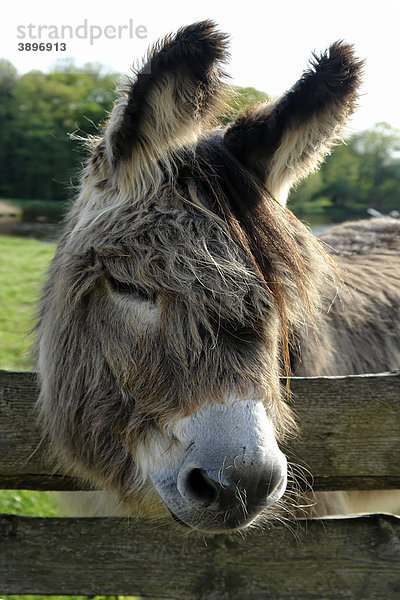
[{"x": 275, "y": 242}]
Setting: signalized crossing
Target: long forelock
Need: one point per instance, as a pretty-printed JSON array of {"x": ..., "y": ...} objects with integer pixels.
[
  {"x": 277, "y": 244},
  {"x": 288, "y": 260}
]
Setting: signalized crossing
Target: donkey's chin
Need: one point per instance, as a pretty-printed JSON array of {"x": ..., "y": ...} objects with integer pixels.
[{"x": 214, "y": 523}]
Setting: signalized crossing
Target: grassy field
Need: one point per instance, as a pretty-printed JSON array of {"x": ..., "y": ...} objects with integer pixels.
[
  {"x": 24, "y": 262},
  {"x": 22, "y": 267}
]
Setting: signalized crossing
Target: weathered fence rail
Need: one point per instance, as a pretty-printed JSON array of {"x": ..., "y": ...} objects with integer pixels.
[
  {"x": 350, "y": 440},
  {"x": 337, "y": 560},
  {"x": 350, "y": 433}
]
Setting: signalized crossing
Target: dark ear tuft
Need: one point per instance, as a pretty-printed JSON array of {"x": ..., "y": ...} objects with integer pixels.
[
  {"x": 179, "y": 83},
  {"x": 197, "y": 46},
  {"x": 282, "y": 141},
  {"x": 335, "y": 74}
]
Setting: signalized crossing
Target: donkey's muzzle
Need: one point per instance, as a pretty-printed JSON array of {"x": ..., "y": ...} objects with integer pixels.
[
  {"x": 242, "y": 490},
  {"x": 230, "y": 469}
]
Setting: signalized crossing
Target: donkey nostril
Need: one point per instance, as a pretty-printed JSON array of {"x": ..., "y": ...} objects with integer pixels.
[{"x": 200, "y": 488}]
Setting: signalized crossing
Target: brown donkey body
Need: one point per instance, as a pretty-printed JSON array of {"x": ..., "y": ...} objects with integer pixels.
[{"x": 182, "y": 280}]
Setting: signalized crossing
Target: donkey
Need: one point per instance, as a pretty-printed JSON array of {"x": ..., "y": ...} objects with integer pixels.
[{"x": 183, "y": 288}]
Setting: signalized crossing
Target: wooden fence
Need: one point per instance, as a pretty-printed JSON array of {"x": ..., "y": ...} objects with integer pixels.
[{"x": 350, "y": 440}]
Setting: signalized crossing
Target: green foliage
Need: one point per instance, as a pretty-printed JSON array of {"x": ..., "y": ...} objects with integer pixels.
[
  {"x": 39, "y": 111},
  {"x": 38, "y": 210},
  {"x": 240, "y": 99},
  {"x": 38, "y": 159},
  {"x": 363, "y": 173}
]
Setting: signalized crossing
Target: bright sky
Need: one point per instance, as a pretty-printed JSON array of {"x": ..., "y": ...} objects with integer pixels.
[{"x": 270, "y": 42}]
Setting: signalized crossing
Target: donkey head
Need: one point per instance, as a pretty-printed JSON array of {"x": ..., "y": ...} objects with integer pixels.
[{"x": 171, "y": 298}]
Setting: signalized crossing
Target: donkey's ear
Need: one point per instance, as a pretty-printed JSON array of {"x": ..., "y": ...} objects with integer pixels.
[
  {"x": 176, "y": 89},
  {"x": 283, "y": 141}
]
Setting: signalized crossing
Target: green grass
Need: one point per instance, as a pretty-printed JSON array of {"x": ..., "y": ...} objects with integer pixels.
[
  {"x": 24, "y": 262},
  {"x": 28, "y": 503},
  {"x": 22, "y": 268}
]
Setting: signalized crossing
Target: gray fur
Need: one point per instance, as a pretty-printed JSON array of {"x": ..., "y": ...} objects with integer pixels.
[
  {"x": 359, "y": 330},
  {"x": 180, "y": 279}
]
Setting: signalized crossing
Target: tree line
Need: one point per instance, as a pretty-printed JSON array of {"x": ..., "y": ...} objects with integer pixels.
[
  {"x": 362, "y": 173},
  {"x": 39, "y": 159}
]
